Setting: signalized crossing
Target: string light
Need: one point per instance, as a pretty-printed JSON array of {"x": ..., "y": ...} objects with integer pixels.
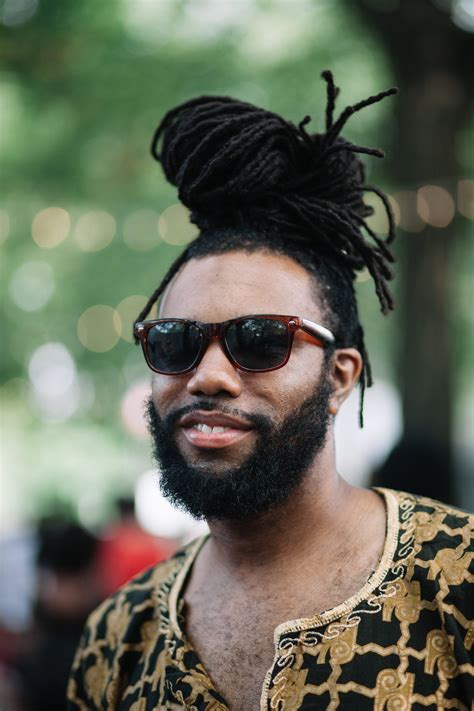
[
  {"x": 175, "y": 227},
  {"x": 55, "y": 390},
  {"x": 127, "y": 311},
  {"x": 32, "y": 285},
  {"x": 409, "y": 218},
  {"x": 435, "y": 205},
  {"x": 99, "y": 328},
  {"x": 50, "y": 227},
  {"x": 95, "y": 230}
]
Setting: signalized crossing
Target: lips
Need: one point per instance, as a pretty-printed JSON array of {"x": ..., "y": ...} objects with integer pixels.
[{"x": 213, "y": 430}]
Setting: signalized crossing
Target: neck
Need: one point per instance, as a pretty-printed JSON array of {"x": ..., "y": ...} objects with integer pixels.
[{"x": 317, "y": 508}]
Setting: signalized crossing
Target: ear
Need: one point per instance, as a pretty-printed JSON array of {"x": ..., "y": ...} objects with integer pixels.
[{"x": 345, "y": 372}]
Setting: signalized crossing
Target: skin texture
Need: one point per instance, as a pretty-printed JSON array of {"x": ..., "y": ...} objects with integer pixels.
[{"x": 315, "y": 549}]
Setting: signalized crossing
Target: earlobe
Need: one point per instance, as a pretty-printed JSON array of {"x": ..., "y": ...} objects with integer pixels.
[
  {"x": 333, "y": 407},
  {"x": 345, "y": 372}
]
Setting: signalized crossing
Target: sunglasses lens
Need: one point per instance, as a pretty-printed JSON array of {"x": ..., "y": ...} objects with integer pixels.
[
  {"x": 174, "y": 346},
  {"x": 258, "y": 344}
]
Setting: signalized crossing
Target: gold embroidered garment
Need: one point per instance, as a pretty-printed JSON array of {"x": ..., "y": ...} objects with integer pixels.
[{"x": 404, "y": 641}]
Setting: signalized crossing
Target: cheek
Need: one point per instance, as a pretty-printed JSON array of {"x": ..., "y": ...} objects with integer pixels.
[
  {"x": 286, "y": 388},
  {"x": 305, "y": 366},
  {"x": 168, "y": 391},
  {"x": 276, "y": 393}
]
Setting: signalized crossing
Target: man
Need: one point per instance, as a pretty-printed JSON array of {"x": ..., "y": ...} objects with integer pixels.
[{"x": 308, "y": 592}]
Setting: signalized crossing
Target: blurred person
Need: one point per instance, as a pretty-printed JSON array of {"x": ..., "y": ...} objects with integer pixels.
[
  {"x": 67, "y": 591},
  {"x": 308, "y": 593},
  {"x": 125, "y": 549},
  {"x": 17, "y": 589},
  {"x": 402, "y": 467},
  {"x": 18, "y": 564}
]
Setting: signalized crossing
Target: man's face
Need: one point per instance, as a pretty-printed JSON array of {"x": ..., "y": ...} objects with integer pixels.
[{"x": 280, "y": 418}]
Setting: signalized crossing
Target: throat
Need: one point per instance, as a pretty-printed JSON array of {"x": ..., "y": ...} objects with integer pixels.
[
  {"x": 283, "y": 549},
  {"x": 288, "y": 535}
]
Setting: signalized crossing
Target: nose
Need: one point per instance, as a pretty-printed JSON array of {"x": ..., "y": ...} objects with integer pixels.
[{"x": 215, "y": 374}]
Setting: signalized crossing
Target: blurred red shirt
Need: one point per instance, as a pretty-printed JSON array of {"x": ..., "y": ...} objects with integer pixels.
[{"x": 125, "y": 550}]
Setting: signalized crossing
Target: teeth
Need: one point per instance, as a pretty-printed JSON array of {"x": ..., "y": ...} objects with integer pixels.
[{"x": 209, "y": 430}]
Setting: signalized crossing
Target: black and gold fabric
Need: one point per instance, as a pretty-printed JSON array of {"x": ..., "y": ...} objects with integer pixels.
[{"x": 403, "y": 642}]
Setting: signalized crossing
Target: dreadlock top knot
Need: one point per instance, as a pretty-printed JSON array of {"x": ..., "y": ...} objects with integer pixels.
[{"x": 235, "y": 164}]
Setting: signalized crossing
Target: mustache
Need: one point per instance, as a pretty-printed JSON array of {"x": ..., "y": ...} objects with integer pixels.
[{"x": 260, "y": 422}]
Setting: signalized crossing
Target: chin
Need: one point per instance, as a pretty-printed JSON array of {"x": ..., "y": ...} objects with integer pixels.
[{"x": 212, "y": 462}]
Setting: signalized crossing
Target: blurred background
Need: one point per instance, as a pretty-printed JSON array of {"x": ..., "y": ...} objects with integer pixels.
[{"x": 88, "y": 226}]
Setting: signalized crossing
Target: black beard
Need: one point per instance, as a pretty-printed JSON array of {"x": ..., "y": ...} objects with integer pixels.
[{"x": 265, "y": 479}]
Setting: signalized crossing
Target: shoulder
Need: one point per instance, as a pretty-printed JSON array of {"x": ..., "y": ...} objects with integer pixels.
[
  {"x": 121, "y": 632},
  {"x": 437, "y": 537},
  {"x": 142, "y": 597},
  {"x": 429, "y": 519}
]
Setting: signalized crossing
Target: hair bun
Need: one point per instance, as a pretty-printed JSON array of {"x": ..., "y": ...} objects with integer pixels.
[
  {"x": 224, "y": 155},
  {"x": 236, "y": 164}
]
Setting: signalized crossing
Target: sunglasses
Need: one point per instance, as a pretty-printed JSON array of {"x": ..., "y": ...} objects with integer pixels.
[{"x": 254, "y": 344}]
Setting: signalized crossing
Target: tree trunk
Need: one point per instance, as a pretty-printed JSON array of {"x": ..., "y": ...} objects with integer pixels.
[{"x": 430, "y": 59}]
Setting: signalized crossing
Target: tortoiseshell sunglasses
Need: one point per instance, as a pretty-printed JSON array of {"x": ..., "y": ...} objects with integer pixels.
[{"x": 254, "y": 344}]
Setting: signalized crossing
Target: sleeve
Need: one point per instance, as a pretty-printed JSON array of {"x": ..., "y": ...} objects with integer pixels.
[
  {"x": 78, "y": 698},
  {"x": 93, "y": 679}
]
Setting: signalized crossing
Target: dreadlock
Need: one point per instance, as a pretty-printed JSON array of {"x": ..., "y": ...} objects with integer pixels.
[{"x": 253, "y": 180}]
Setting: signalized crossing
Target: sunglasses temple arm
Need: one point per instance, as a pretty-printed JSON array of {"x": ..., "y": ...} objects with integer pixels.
[{"x": 320, "y": 332}]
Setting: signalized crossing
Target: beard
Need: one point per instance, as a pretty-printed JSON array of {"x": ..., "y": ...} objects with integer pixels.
[{"x": 278, "y": 463}]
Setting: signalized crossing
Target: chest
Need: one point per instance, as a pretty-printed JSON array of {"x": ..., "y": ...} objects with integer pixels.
[
  {"x": 236, "y": 647},
  {"x": 234, "y": 634}
]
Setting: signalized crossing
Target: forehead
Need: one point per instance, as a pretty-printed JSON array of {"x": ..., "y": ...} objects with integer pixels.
[{"x": 218, "y": 287}]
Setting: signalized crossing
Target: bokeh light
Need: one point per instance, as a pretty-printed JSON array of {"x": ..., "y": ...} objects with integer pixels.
[
  {"x": 158, "y": 516},
  {"x": 409, "y": 217},
  {"x": 132, "y": 408},
  {"x": 4, "y": 226},
  {"x": 435, "y": 205},
  {"x": 466, "y": 198},
  {"x": 395, "y": 209},
  {"x": 17, "y": 12},
  {"x": 463, "y": 14},
  {"x": 94, "y": 230},
  {"x": 362, "y": 275},
  {"x": 128, "y": 310},
  {"x": 378, "y": 221},
  {"x": 55, "y": 387},
  {"x": 99, "y": 328},
  {"x": 32, "y": 285},
  {"x": 140, "y": 230},
  {"x": 50, "y": 227},
  {"x": 175, "y": 227}
]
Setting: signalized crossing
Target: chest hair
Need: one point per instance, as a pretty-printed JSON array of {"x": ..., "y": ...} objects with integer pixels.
[{"x": 233, "y": 635}]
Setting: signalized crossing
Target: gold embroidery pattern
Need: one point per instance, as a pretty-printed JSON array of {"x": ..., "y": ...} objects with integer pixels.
[
  {"x": 401, "y": 602},
  {"x": 393, "y": 691}
]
